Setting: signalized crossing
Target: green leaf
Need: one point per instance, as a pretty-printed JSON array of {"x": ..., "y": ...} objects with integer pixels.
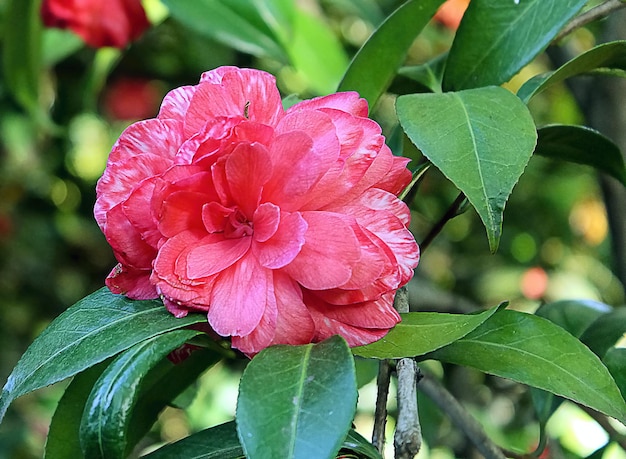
[
  {"x": 429, "y": 74},
  {"x": 422, "y": 332},
  {"x": 21, "y": 52},
  {"x": 219, "y": 442},
  {"x": 223, "y": 22},
  {"x": 615, "y": 361},
  {"x": 573, "y": 315},
  {"x": 481, "y": 139},
  {"x": 496, "y": 39},
  {"x": 316, "y": 53},
  {"x": 59, "y": 44},
  {"x": 375, "y": 65},
  {"x": 63, "y": 437},
  {"x": 297, "y": 401},
  {"x": 610, "y": 55},
  {"x": 97, "y": 327},
  {"x": 533, "y": 351},
  {"x": 581, "y": 145},
  {"x": 356, "y": 443},
  {"x": 605, "y": 331},
  {"x": 109, "y": 409}
]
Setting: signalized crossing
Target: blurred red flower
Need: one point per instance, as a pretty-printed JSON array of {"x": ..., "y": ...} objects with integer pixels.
[
  {"x": 132, "y": 99},
  {"x": 451, "y": 13},
  {"x": 98, "y": 22},
  {"x": 283, "y": 226}
]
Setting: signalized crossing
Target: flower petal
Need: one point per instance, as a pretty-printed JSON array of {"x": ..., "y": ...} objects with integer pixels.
[
  {"x": 211, "y": 257},
  {"x": 240, "y": 296},
  {"x": 284, "y": 245},
  {"x": 248, "y": 168},
  {"x": 134, "y": 283},
  {"x": 329, "y": 253},
  {"x": 349, "y": 102},
  {"x": 176, "y": 102}
]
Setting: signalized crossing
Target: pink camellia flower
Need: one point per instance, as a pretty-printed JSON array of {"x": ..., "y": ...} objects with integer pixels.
[
  {"x": 98, "y": 22},
  {"x": 282, "y": 226}
]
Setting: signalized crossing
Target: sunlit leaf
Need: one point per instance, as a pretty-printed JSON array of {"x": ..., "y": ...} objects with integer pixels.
[
  {"x": 496, "y": 39},
  {"x": 377, "y": 62},
  {"x": 422, "y": 332},
  {"x": 534, "y": 351},
  {"x": 97, "y": 327},
  {"x": 582, "y": 145},
  {"x": 605, "y": 56},
  {"x": 297, "y": 401},
  {"x": 481, "y": 139}
]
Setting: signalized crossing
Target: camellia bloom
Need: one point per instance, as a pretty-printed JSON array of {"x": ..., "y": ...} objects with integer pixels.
[
  {"x": 283, "y": 226},
  {"x": 98, "y": 22}
]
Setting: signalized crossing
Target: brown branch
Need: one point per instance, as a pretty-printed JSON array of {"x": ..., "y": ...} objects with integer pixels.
[
  {"x": 460, "y": 417},
  {"x": 380, "y": 413},
  {"x": 449, "y": 215},
  {"x": 591, "y": 15}
]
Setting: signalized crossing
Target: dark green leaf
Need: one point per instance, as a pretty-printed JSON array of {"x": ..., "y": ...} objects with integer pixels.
[
  {"x": 109, "y": 409},
  {"x": 97, "y": 327},
  {"x": 481, "y": 139},
  {"x": 605, "y": 56},
  {"x": 222, "y": 21},
  {"x": 63, "y": 437},
  {"x": 422, "y": 332},
  {"x": 605, "y": 331},
  {"x": 219, "y": 442},
  {"x": 615, "y": 361},
  {"x": 573, "y": 315},
  {"x": 297, "y": 401},
  {"x": 429, "y": 74},
  {"x": 375, "y": 65},
  {"x": 496, "y": 39},
  {"x": 581, "y": 145},
  {"x": 355, "y": 442},
  {"x": 21, "y": 51},
  {"x": 532, "y": 350}
]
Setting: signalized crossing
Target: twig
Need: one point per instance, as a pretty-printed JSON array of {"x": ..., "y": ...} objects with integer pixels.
[
  {"x": 380, "y": 413},
  {"x": 459, "y": 417},
  {"x": 407, "y": 439},
  {"x": 449, "y": 215},
  {"x": 603, "y": 422},
  {"x": 591, "y": 15}
]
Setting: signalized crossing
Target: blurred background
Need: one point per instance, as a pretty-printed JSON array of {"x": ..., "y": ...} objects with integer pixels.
[{"x": 563, "y": 231}]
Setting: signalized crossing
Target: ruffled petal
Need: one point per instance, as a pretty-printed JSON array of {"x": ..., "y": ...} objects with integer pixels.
[
  {"x": 349, "y": 102},
  {"x": 284, "y": 245},
  {"x": 211, "y": 257},
  {"x": 175, "y": 103},
  {"x": 329, "y": 253},
  {"x": 134, "y": 283},
  {"x": 248, "y": 168},
  {"x": 240, "y": 296}
]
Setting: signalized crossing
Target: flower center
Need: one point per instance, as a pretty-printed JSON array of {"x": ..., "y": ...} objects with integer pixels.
[{"x": 238, "y": 226}]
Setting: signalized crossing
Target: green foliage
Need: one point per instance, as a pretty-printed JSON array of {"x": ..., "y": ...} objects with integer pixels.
[
  {"x": 486, "y": 141},
  {"x": 297, "y": 401}
]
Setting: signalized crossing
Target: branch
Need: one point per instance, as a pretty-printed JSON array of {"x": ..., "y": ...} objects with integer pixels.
[
  {"x": 407, "y": 439},
  {"x": 380, "y": 413},
  {"x": 452, "y": 212},
  {"x": 459, "y": 417},
  {"x": 591, "y": 15}
]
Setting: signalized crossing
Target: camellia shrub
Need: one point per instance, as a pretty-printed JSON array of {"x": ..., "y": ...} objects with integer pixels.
[{"x": 275, "y": 231}]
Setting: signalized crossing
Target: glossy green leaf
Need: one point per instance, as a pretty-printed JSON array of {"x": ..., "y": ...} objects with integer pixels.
[
  {"x": 297, "y": 401},
  {"x": 222, "y": 21},
  {"x": 219, "y": 442},
  {"x": 21, "y": 51},
  {"x": 481, "y": 139},
  {"x": 605, "y": 56},
  {"x": 63, "y": 437},
  {"x": 316, "y": 53},
  {"x": 109, "y": 408},
  {"x": 95, "y": 328},
  {"x": 375, "y": 65},
  {"x": 581, "y": 145},
  {"x": 605, "y": 331},
  {"x": 355, "y": 442},
  {"x": 534, "y": 351},
  {"x": 496, "y": 39},
  {"x": 422, "y": 332},
  {"x": 615, "y": 361},
  {"x": 573, "y": 315}
]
